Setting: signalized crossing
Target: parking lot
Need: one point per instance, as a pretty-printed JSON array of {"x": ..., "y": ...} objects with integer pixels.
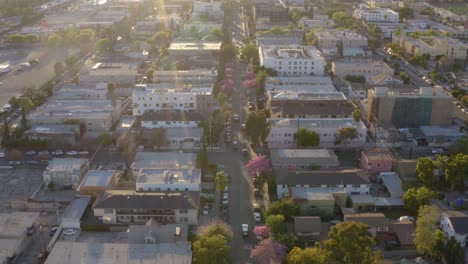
[{"x": 18, "y": 183}]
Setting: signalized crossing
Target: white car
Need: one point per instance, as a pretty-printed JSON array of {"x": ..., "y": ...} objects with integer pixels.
[
  {"x": 225, "y": 200},
  {"x": 406, "y": 218},
  {"x": 30, "y": 152},
  {"x": 69, "y": 232},
  {"x": 235, "y": 117},
  {"x": 57, "y": 152},
  {"x": 71, "y": 153},
  {"x": 83, "y": 152},
  {"x": 245, "y": 229},
  {"x": 43, "y": 152},
  {"x": 206, "y": 210},
  {"x": 437, "y": 151},
  {"x": 258, "y": 217},
  {"x": 2, "y": 155}
]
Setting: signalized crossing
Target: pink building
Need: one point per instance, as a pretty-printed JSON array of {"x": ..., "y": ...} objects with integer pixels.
[{"x": 376, "y": 161}]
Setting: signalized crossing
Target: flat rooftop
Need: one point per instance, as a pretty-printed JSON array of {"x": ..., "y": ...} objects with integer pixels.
[
  {"x": 65, "y": 164},
  {"x": 194, "y": 46},
  {"x": 101, "y": 68},
  {"x": 170, "y": 176},
  {"x": 316, "y": 156},
  {"x": 77, "y": 207},
  {"x": 291, "y": 52},
  {"x": 195, "y": 72},
  {"x": 55, "y": 129},
  {"x": 84, "y": 106},
  {"x": 314, "y": 122},
  {"x": 158, "y": 160},
  {"x": 339, "y": 34},
  {"x": 286, "y": 95},
  {"x": 305, "y": 193},
  {"x": 119, "y": 253},
  {"x": 14, "y": 225},
  {"x": 377, "y": 154},
  {"x": 98, "y": 178},
  {"x": 361, "y": 63},
  {"x": 447, "y": 131}
]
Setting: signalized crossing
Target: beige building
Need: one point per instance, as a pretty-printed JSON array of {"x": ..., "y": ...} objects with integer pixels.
[
  {"x": 65, "y": 172},
  {"x": 357, "y": 67},
  {"x": 96, "y": 181},
  {"x": 454, "y": 49},
  {"x": 426, "y": 107},
  {"x": 328, "y": 41}
]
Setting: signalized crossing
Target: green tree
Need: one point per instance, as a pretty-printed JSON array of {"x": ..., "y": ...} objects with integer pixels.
[
  {"x": 71, "y": 61},
  {"x": 425, "y": 171},
  {"x": 111, "y": 86},
  {"x": 221, "y": 180},
  {"x": 250, "y": 54},
  {"x": 414, "y": 198},
  {"x": 222, "y": 99},
  {"x": 215, "y": 228},
  {"x": 31, "y": 38},
  {"x": 24, "y": 121},
  {"x": 339, "y": 48},
  {"x": 218, "y": 33},
  {"x": 462, "y": 145},
  {"x": 357, "y": 114},
  {"x": 346, "y": 135},
  {"x": 16, "y": 38},
  {"x": 105, "y": 139},
  {"x": 307, "y": 138},
  {"x": 51, "y": 186},
  {"x": 212, "y": 249},
  {"x": 58, "y": 68},
  {"x": 313, "y": 255},
  {"x": 426, "y": 237},
  {"x": 405, "y": 13},
  {"x": 26, "y": 104},
  {"x": 54, "y": 40},
  {"x": 350, "y": 243},
  {"x": 343, "y": 20},
  {"x": 202, "y": 159},
  {"x": 457, "y": 171},
  {"x": 405, "y": 77},
  {"x": 229, "y": 51},
  {"x": 159, "y": 137},
  {"x": 6, "y": 133},
  {"x": 454, "y": 253},
  {"x": 256, "y": 126},
  {"x": 295, "y": 14},
  {"x": 285, "y": 207},
  {"x": 103, "y": 45},
  {"x": 276, "y": 224}
]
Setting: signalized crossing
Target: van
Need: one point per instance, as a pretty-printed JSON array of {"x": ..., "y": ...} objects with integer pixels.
[{"x": 7, "y": 107}]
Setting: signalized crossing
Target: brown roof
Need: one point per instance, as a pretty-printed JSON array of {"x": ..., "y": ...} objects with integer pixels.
[
  {"x": 371, "y": 219},
  {"x": 377, "y": 154},
  {"x": 407, "y": 168},
  {"x": 307, "y": 224},
  {"x": 404, "y": 231}
]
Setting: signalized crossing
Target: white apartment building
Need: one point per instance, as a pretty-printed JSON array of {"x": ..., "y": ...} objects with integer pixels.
[
  {"x": 282, "y": 131},
  {"x": 162, "y": 160},
  {"x": 65, "y": 172},
  {"x": 119, "y": 73},
  {"x": 171, "y": 120},
  {"x": 361, "y": 67},
  {"x": 353, "y": 43},
  {"x": 292, "y": 60},
  {"x": 300, "y": 84},
  {"x": 169, "y": 180},
  {"x": 376, "y": 15},
  {"x": 148, "y": 99},
  {"x": 211, "y": 9},
  {"x": 195, "y": 76}
]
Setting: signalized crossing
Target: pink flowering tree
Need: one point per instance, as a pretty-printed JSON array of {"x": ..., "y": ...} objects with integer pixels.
[
  {"x": 261, "y": 231},
  {"x": 258, "y": 165},
  {"x": 269, "y": 251}
]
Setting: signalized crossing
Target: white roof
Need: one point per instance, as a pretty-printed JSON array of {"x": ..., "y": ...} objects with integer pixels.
[
  {"x": 100, "y": 178},
  {"x": 392, "y": 181},
  {"x": 77, "y": 207}
]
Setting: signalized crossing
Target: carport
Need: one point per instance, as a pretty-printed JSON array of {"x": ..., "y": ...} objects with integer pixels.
[{"x": 74, "y": 212}]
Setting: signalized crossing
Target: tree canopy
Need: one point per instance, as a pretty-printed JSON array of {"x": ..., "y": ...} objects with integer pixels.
[
  {"x": 306, "y": 256},
  {"x": 250, "y": 53},
  {"x": 285, "y": 207},
  {"x": 211, "y": 249},
  {"x": 256, "y": 126},
  {"x": 427, "y": 234},
  {"x": 276, "y": 224},
  {"x": 268, "y": 251},
  {"x": 414, "y": 198},
  {"x": 425, "y": 171},
  {"x": 307, "y": 138}
]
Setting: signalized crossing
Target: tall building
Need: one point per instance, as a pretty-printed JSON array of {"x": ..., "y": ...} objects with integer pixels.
[
  {"x": 329, "y": 40},
  {"x": 376, "y": 15}
]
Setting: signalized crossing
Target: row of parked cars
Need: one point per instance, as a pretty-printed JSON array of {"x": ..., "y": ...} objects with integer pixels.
[{"x": 57, "y": 152}]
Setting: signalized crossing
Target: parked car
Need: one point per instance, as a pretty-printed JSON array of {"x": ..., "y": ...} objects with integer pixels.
[
  {"x": 206, "y": 210},
  {"x": 235, "y": 117},
  {"x": 258, "y": 217},
  {"x": 69, "y": 232},
  {"x": 84, "y": 152},
  {"x": 30, "y": 152},
  {"x": 43, "y": 152},
  {"x": 245, "y": 229},
  {"x": 71, "y": 153},
  {"x": 14, "y": 162},
  {"x": 30, "y": 231},
  {"x": 33, "y": 162},
  {"x": 225, "y": 200},
  {"x": 437, "y": 151},
  {"x": 406, "y": 218},
  {"x": 57, "y": 152}
]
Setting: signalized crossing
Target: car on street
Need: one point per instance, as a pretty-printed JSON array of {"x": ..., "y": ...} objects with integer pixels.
[
  {"x": 83, "y": 152},
  {"x": 69, "y": 232},
  {"x": 53, "y": 231},
  {"x": 235, "y": 117},
  {"x": 30, "y": 152},
  {"x": 33, "y": 162},
  {"x": 234, "y": 142},
  {"x": 225, "y": 200},
  {"x": 14, "y": 162},
  {"x": 245, "y": 153},
  {"x": 30, "y": 231},
  {"x": 57, "y": 152},
  {"x": 228, "y": 139},
  {"x": 43, "y": 152},
  {"x": 437, "y": 151},
  {"x": 71, "y": 153},
  {"x": 258, "y": 217},
  {"x": 228, "y": 128},
  {"x": 206, "y": 210},
  {"x": 245, "y": 229},
  {"x": 406, "y": 218}
]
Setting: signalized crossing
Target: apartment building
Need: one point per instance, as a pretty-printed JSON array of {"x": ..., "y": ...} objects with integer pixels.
[
  {"x": 304, "y": 159},
  {"x": 213, "y": 10},
  {"x": 132, "y": 207},
  {"x": 274, "y": 13},
  {"x": 292, "y": 60},
  {"x": 146, "y": 98},
  {"x": 188, "y": 77},
  {"x": 422, "y": 107},
  {"x": 288, "y": 38},
  {"x": 65, "y": 172},
  {"x": 376, "y": 15},
  {"x": 118, "y": 73},
  {"x": 171, "y": 119},
  {"x": 285, "y": 104},
  {"x": 329, "y": 40},
  {"x": 201, "y": 49},
  {"x": 162, "y": 160},
  {"x": 382, "y": 3},
  {"x": 454, "y": 49},
  {"x": 350, "y": 181},
  {"x": 317, "y": 84},
  {"x": 282, "y": 131},
  {"x": 55, "y": 135},
  {"x": 169, "y": 180},
  {"x": 308, "y": 24},
  {"x": 360, "y": 67}
]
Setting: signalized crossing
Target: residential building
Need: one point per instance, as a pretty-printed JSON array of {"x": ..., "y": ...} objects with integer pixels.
[
  {"x": 66, "y": 252},
  {"x": 154, "y": 233},
  {"x": 313, "y": 202},
  {"x": 303, "y": 159},
  {"x": 162, "y": 160},
  {"x": 292, "y": 60},
  {"x": 97, "y": 181},
  {"x": 169, "y": 180},
  {"x": 195, "y": 76},
  {"x": 212, "y": 10},
  {"x": 282, "y": 131},
  {"x": 13, "y": 236},
  {"x": 175, "y": 138},
  {"x": 376, "y": 15},
  {"x": 145, "y": 28},
  {"x": 375, "y": 161},
  {"x": 131, "y": 207},
  {"x": 409, "y": 109},
  {"x": 442, "y": 136},
  {"x": 360, "y": 67},
  {"x": 384, "y": 79},
  {"x": 376, "y": 222},
  {"x": 309, "y": 24},
  {"x": 311, "y": 227},
  {"x": 55, "y": 135},
  {"x": 79, "y": 92},
  {"x": 404, "y": 231},
  {"x": 74, "y": 212},
  {"x": 171, "y": 119},
  {"x": 288, "y": 38},
  {"x": 454, "y": 49},
  {"x": 145, "y": 98},
  {"x": 299, "y": 84},
  {"x": 118, "y": 73},
  {"x": 199, "y": 49},
  {"x": 392, "y": 183},
  {"x": 96, "y": 115},
  {"x": 274, "y": 13},
  {"x": 65, "y": 172},
  {"x": 284, "y": 104},
  {"x": 382, "y": 3},
  {"x": 352, "y": 43},
  {"x": 351, "y": 181},
  {"x": 455, "y": 224}
]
